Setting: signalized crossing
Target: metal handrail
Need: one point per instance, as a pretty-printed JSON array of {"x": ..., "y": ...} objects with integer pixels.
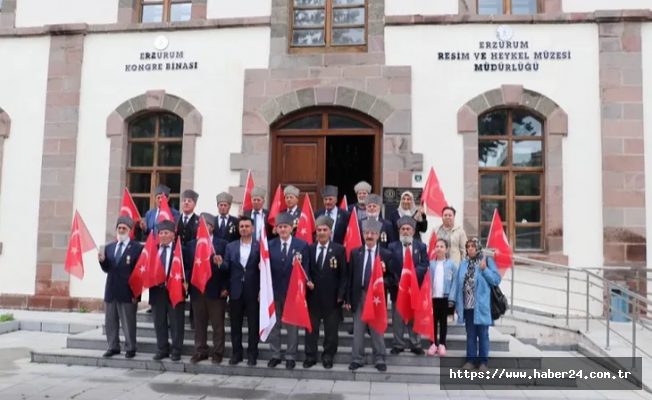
[{"x": 587, "y": 275}]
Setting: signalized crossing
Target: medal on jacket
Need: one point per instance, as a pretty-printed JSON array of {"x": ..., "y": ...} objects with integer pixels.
[
  {"x": 382, "y": 263},
  {"x": 297, "y": 255},
  {"x": 333, "y": 263},
  {"x": 128, "y": 259},
  {"x": 295, "y": 223},
  {"x": 383, "y": 237},
  {"x": 232, "y": 229}
]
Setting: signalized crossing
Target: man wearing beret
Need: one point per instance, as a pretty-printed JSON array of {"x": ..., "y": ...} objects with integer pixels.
[
  {"x": 362, "y": 190},
  {"x": 242, "y": 261},
  {"x": 226, "y": 226},
  {"x": 340, "y": 217},
  {"x": 282, "y": 252},
  {"x": 212, "y": 303},
  {"x": 328, "y": 275},
  {"x": 407, "y": 227},
  {"x": 118, "y": 261},
  {"x": 165, "y": 316},
  {"x": 187, "y": 226},
  {"x": 259, "y": 215},
  {"x": 360, "y": 267},
  {"x": 374, "y": 204},
  {"x": 291, "y": 194},
  {"x": 151, "y": 217}
]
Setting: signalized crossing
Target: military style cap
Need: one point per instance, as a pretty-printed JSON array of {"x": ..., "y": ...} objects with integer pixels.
[
  {"x": 374, "y": 199},
  {"x": 162, "y": 189},
  {"x": 258, "y": 192},
  {"x": 166, "y": 226},
  {"x": 406, "y": 221},
  {"x": 291, "y": 190},
  {"x": 224, "y": 198},
  {"x": 284, "y": 218},
  {"x": 190, "y": 194},
  {"x": 125, "y": 220},
  {"x": 209, "y": 218},
  {"x": 325, "y": 220},
  {"x": 329, "y": 191},
  {"x": 371, "y": 225},
  {"x": 362, "y": 186}
]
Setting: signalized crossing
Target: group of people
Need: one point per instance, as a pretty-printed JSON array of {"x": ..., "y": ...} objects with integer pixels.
[{"x": 461, "y": 278}]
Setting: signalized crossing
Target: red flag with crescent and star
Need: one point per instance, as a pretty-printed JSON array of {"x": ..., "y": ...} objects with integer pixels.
[
  {"x": 246, "y": 201},
  {"x": 306, "y": 225},
  {"x": 423, "y": 323},
  {"x": 295, "y": 311},
  {"x": 202, "y": 269},
  {"x": 164, "y": 211},
  {"x": 433, "y": 196},
  {"x": 432, "y": 254},
  {"x": 275, "y": 207},
  {"x": 176, "y": 279},
  {"x": 374, "y": 312},
  {"x": 80, "y": 242},
  {"x": 353, "y": 238},
  {"x": 408, "y": 289},
  {"x": 497, "y": 241},
  {"x": 344, "y": 205},
  {"x": 129, "y": 209}
]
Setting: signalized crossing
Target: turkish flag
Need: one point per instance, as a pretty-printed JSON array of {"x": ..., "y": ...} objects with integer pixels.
[
  {"x": 432, "y": 196},
  {"x": 249, "y": 185},
  {"x": 497, "y": 241},
  {"x": 202, "y": 269},
  {"x": 344, "y": 205},
  {"x": 80, "y": 242},
  {"x": 129, "y": 209},
  {"x": 353, "y": 238},
  {"x": 432, "y": 255},
  {"x": 164, "y": 212},
  {"x": 275, "y": 207},
  {"x": 374, "y": 312},
  {"x": 408, "y": 289},
  {"x": 148, "y": 271},
  {"x": 306, "y": 225},
  {"x": 176, "y": 279},
  {"x": 423, "y": 317},
  {"x": 295, "y": 311}
]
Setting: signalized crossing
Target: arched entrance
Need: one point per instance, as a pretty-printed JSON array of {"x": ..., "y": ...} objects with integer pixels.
[{"x": 326, "y": 146}]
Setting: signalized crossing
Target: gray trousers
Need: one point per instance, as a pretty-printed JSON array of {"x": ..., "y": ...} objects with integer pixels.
[
  {"x": 359, "y": 329},
  {"x": 399, "y": 327},
  {"x": 275, "y": 335},
  {"x": 167, "y": 317},
  {"x": 116, "y": 314}
]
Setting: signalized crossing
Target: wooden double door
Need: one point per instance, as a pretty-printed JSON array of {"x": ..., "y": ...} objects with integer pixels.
[{"x": 325, "y": 147}]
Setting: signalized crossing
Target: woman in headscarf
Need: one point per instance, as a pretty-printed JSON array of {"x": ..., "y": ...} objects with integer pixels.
[
  {"x": 471, "y": 295},
  {"x": 407, "y": 208}
]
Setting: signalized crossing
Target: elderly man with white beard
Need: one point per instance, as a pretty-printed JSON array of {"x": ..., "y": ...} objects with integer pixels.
[{"x": 118, "y": 261}]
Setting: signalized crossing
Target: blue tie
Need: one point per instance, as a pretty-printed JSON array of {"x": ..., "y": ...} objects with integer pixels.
[
  {"x": 367, "y": 270},
  {"x": 164, "y": 258},
  {"x": 118, "y": 254}
]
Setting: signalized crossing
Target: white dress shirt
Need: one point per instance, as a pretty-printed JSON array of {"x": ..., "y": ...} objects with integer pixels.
[
  {"x": 259, "y": 223},
  {"x": 333, "y": 216},
  {"x": 366, "y": 256},
  {"x": 184, "y": 216},
  {"x": 170, "y": 250},
  {"x": 319, "y": 246},
  {"x": 245, "y": 251},
  {"x": 289, "y": 243},
  {"x": 125, "y": 243},
  {"x": 438, "y": 280}
]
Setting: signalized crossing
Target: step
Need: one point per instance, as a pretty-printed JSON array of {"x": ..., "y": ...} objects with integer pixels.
[
  {"x": 340, "y": 372},
  {"x": 526, "y": 357}
]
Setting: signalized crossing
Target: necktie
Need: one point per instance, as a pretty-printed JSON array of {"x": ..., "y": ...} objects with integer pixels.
[
  {"x": 256, "y": 213},
  {"x": 329, "y": 213},
  {"x": 185, "y": 220},
  {"x": 118, "y": 254},
  {"x": 367, "y": 270},
  {"x": 164, "y": 258},
  {"x": 222, "y": 224},
  {"x": 320, "y": 259},
  {"x": 284, "y": 252}
]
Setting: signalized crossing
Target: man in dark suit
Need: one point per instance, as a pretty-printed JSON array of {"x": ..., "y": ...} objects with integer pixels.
[
  {"x": 360, "y": 266},
  {"x": 226, "y": 226},
  {"x": 374, "y": 204},
  {"x": 328, "y": 277},
  {"x": 362, "y": 190},
  {"x": 242, "y": 260},
  {"x": 340, "y": 217},
  {"x": 151, "y": 217},
  {"x": 118, "y": 261},
  {"x": 291, "y": 194},
  {"x": 165, "y": 316},
  {"x": 407, "y": 226},
  {"x": 212, "y": 303},
  {"x": 187, "y": 225},
  {"x": 282, "y": 252},
  {"x": 259, "y": 215}
]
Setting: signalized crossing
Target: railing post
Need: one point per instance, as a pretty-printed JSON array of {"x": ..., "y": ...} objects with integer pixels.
[
  {"x": 608, "y": 314},
  {"x": 588, "y": 301},
  {"x": 567, "y": 295},
  {"x": 634, "y": 319},
  {"x": 511, "y": 300}
]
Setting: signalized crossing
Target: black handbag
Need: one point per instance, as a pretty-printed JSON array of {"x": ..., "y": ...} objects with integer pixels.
[{"x": 499, "y": 304}]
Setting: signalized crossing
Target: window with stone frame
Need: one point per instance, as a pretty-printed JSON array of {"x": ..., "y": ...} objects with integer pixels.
[
  {"x": 512, "y": 176},
  {"x": 164, "y": 10},
  {"x": 328, "y": 25},
  {"x": 154, "y": 157},
  {"x": 513, "y": 7}
]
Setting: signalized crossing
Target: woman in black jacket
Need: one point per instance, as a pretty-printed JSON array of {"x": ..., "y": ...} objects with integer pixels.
[{"x": 408, "y": 208}]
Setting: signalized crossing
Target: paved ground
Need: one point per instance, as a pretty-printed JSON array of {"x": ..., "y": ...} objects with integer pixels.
[{"x": 22, "y": 380}]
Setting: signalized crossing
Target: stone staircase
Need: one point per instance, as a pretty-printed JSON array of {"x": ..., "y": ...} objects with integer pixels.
[{"x": 86, "y": 349}]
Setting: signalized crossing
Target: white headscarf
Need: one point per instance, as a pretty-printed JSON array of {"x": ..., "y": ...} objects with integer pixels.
[{"x": 411, "y": 211}]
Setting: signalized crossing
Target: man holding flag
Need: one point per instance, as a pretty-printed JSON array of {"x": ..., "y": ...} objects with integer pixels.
[
  {"x": 118, "y": 261},
  {"x": 208, "y": 289},
  {"x": 360, "y": 282},
  {"x": 166, "y": 315},
  {"x": 408, "y": 288},
  {"x": 152, "y": 216},
  {"x": 282, "y": 252},
  {"x": 258, "y": 214}
]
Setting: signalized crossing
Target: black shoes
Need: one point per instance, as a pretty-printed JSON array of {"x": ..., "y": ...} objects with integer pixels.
[
  {"x": 309, "y": 363},
  {"x": 396, "y": 351},
  {"x": 354, "y": 365},
  {"x": 111, "y": 353},
  {"x": 381, "y": 367},
  {"x": 418, "y": 351},
  {"x": 273, "y": 362},
  {"x": 160, "y": 356},
  {"x": 290, "y": 364},
  {"x": 130, "y": 354}
]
